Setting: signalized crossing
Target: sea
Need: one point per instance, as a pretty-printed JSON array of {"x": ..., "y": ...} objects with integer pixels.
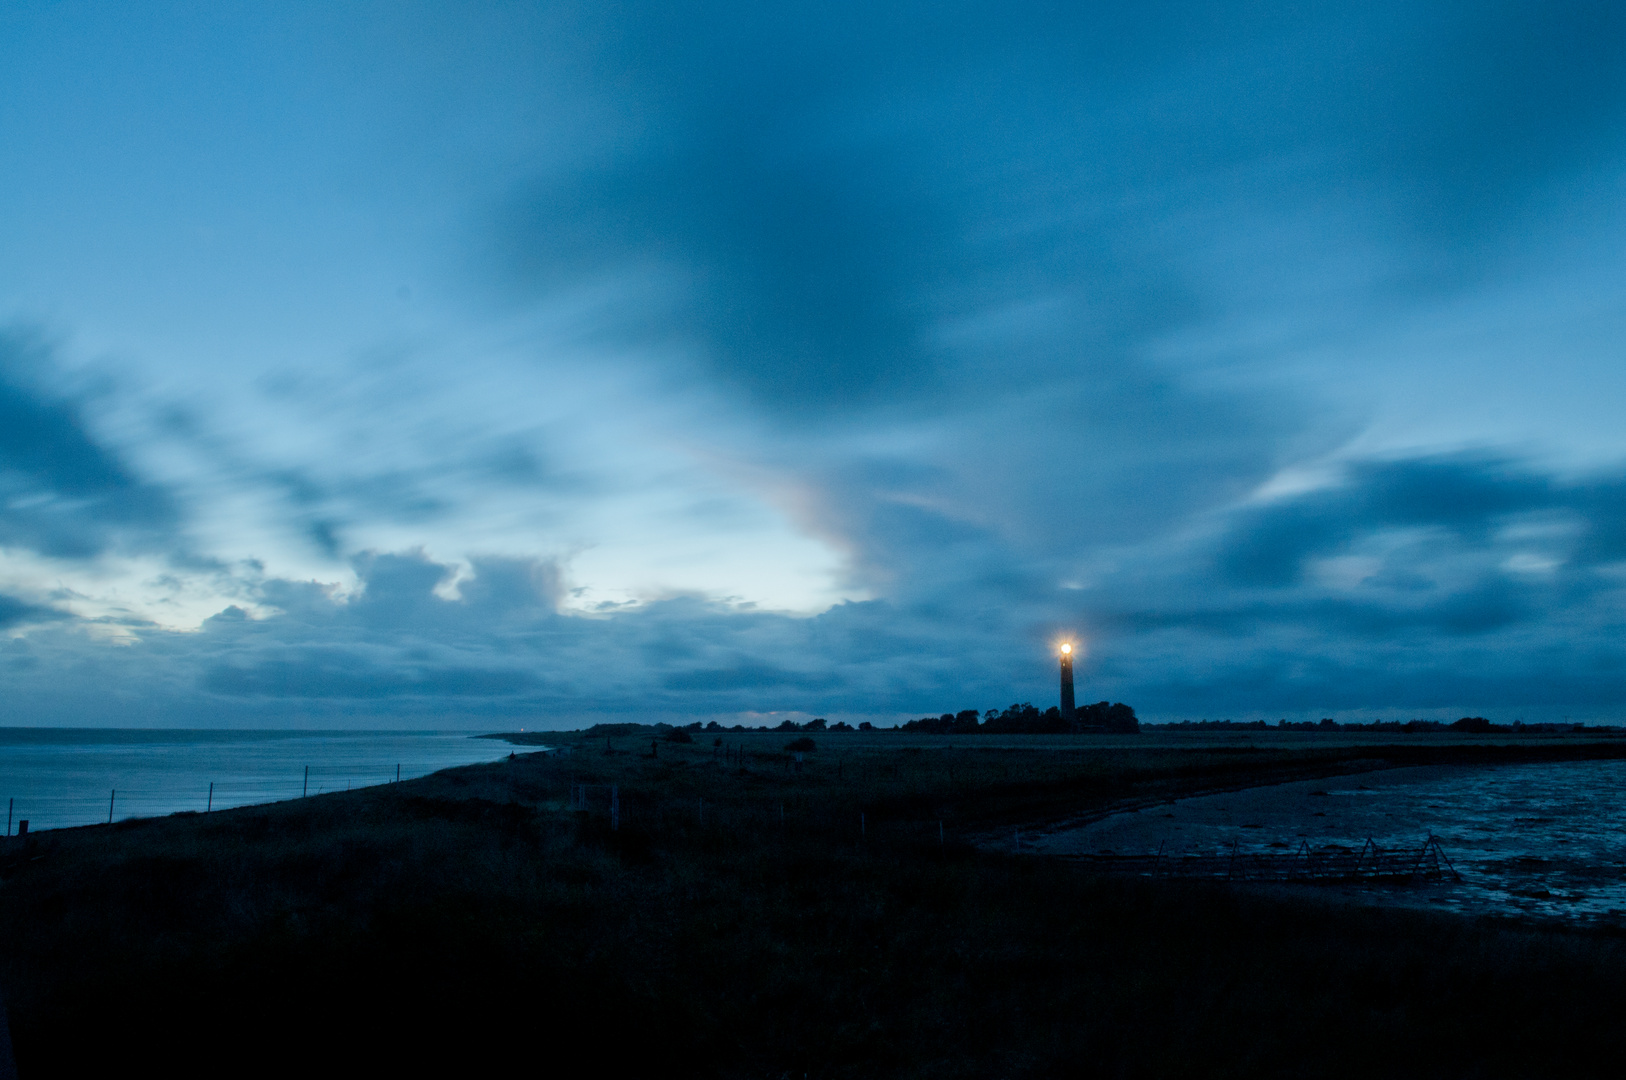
[
  {"x": 60, "y": 777},
  {"x": 1531, "y": 842}
]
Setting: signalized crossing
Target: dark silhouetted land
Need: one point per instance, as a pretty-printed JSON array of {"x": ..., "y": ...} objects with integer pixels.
[{"x": 855, "y": 916}]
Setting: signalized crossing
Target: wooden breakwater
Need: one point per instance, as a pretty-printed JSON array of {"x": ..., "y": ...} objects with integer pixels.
[{"x": 1329, "y": 864}]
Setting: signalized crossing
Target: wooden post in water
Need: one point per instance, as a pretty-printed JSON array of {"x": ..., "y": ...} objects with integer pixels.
[
  {"x": 110, "y": 797},
  {"x": 397, "y": 774},
  {"x": 211, "y": 804},
  {"x": 306, "y": 790}
]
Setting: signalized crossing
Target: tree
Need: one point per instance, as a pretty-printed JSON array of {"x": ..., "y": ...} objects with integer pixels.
[{"x": 1115, "y": 717}]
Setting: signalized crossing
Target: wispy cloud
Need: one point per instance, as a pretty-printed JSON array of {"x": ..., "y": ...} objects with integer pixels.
[{"x": 833, "y": 359}]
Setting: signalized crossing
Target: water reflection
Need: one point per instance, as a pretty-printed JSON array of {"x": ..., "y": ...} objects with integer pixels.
[{"x": 1545, "y": 840}]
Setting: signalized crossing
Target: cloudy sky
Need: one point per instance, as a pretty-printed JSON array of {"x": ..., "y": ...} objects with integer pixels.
[{"x": 497, "y": 364}]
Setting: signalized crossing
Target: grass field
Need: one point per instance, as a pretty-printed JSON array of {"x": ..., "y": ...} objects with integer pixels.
[{"x": 751, "y": 919}]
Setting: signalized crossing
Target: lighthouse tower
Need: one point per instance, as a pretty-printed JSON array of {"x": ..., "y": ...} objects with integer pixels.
[{"x": 1067, "y": 682}]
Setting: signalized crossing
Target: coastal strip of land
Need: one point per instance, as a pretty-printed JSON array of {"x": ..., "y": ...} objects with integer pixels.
[{"x": 653, "y": 901}]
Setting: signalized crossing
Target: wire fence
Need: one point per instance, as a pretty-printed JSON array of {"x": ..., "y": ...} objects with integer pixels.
[{"x": 68, "y": 806}]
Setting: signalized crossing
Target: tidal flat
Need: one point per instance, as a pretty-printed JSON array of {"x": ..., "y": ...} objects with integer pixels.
[
  {"x": 1543, "y": 840},
  {"x": 637, "y": 906}
]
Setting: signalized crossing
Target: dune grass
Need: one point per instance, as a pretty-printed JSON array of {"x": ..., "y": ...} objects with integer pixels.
[{"x": 750, "y": 920}]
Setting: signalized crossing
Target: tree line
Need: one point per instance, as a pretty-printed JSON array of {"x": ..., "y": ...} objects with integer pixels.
[
  {"x": 1020, "y": 719},
  {"x": 1470, "y": 725},
  {"x": 1026, "y": 719}
]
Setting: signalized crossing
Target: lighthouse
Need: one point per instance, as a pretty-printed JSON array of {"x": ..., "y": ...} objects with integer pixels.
[{"x": 1067, "y": 683}]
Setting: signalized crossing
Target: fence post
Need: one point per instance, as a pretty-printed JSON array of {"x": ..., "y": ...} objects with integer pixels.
[
  {"x": 397, "y": 774},
  {"x": 306, "y": 790},
  {"x": 1441, "y": 852},
  {"x": 110, "y": 797},
  {"x": 211, "y": 805}
]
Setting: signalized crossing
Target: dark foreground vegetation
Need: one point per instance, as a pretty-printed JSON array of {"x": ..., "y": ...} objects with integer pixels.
[
  {"x": 751, "y": 918},
  {"x": 1026, "y": 719}
]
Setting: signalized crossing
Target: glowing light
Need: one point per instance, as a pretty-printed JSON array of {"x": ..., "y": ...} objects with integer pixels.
[{"x": 1066, "y": 649}]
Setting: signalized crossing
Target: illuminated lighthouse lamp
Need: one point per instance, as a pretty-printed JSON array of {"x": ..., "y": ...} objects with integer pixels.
[{"x": 1067, "y": 706}]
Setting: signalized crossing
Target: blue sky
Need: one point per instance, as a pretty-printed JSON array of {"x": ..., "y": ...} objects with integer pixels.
[{"x": 476, "y": 364}]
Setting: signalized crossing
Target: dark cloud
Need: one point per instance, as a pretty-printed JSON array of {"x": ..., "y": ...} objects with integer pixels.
[
  {"x": 749, "y": 675},
  {"x": 15, "y": 612},
  {"x": 1409, "y": 583},
  {"x": 1435, "y": 609},
  {"x": 1465, "y": 496},
  {"x": 335, "y": 673},
  {"x": 62, "y": 492},
  {"x": 984, "y": 224},
  {"x": 1444, "y": 583},
  {"x": 987, "y": 288},
  {"x": 794, "y": 269},
  {"x": 809, "y": 196}
]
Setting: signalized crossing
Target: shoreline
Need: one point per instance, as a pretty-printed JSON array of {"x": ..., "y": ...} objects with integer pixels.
[
  {"x": 1528, "y": 840},
  {"x": 60, "y": 779},
  {"x": 757, "y": 915}
]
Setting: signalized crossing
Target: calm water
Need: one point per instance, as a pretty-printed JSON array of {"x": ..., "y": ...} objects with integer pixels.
[
  {"x": 57, "y": 777},
  {"x": 1543, "y": 840}
]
